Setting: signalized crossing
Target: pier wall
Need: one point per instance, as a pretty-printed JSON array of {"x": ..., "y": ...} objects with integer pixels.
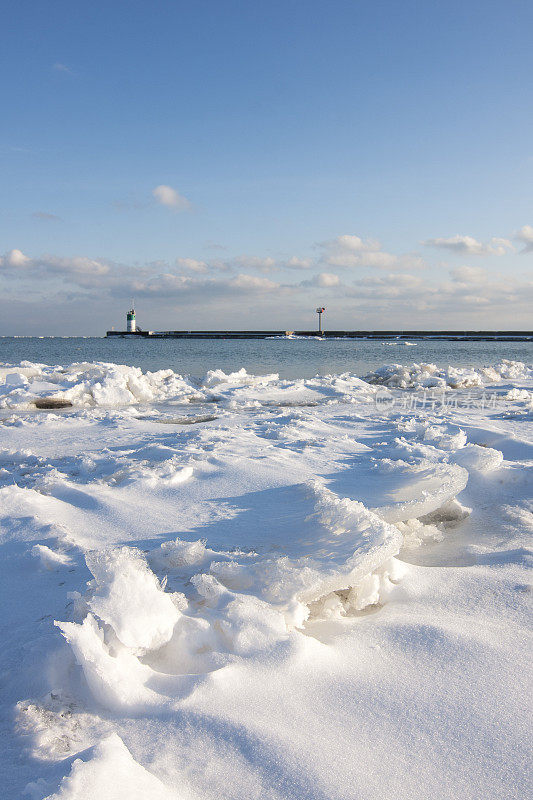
[{"x": 395, "y": 334}]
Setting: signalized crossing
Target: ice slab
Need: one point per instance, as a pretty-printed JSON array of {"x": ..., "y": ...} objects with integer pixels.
[{"x": 397, "y": 490}]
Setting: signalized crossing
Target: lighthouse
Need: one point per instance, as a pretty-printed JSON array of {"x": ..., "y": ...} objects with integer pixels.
[{"x": 130, "y": 321}]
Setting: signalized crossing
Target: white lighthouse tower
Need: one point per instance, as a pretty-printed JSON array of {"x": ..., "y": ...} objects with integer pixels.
[{"x": 131, "y": 326}]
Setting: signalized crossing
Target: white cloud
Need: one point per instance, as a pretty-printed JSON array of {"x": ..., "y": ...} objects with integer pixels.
[
  {"x": 354, "y": 244},
  {"x": 192, "y": 264},
  {"x": 79, "y": 269},
  {"x": 253, "y": 262},
  {"x": 468, "y": 297},
  {"x": 393, "y": 279},
  {"x": 376, "y": 259},
  {"x": 58, "y": 67},
  {"x": 324, "y": 280},
  {"x": 475, "y": 300},
  {"x": 193, "y": 289},
  {"x": 390, "y": 286},
  {"x": 470, "y": 246},
  {"x": 469, "y": 274},
  {"x": 253, "y": 282},
  {"x": 327, "y": 279},
  {"x": 350, "y": 251},
  {"x": 298, "y": 263},
  {"x": 167, "y": 196},
  {"x": 525, "y": 235},
  {"x": 501, "y": 246},
  {"x": 15, "y": 259},
  {"x": 77, "y": 266}
]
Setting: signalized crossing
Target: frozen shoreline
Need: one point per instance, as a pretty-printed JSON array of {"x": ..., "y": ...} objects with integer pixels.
[{"x": 263, "y": 587}]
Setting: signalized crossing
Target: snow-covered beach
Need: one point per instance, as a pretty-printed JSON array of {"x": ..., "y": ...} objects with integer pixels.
[{"x": 244, "y": 586}]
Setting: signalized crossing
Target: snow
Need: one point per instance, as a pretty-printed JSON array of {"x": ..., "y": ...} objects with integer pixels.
[
  {"x": 127, "y": 596},
  {"x": 50, "y": 559},
  {"x": 111, "y": 772},
  {"x": 85, "y": 384},
  {"x": 419, "y": 376},
  {"x": 245, "y": 586}
]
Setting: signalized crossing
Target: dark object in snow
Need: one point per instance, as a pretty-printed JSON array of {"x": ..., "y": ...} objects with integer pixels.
[{"x": 52, "y": 402}]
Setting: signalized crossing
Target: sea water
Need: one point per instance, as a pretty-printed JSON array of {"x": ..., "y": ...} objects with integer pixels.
[{"x": 290, "y": 358}]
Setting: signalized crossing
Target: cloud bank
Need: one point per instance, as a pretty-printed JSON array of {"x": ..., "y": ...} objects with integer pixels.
[
  {"x": 359, "y": 282},
  {"x": 468, "y": 245}
]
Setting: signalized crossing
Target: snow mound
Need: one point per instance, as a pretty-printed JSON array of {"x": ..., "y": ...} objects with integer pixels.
[
  {"x": 114, "y": 675},
  {"x": 111, "y": 774},
  {"x": 50, "y": 559},
  {"x": 425, "y": 376},
  {"x": 218, "y": 378},
  {"x": 443, "y": 436},
  {"x": 180, "y": 553},
  {"x": 240, "y": 604},
  {"x": 478, "y": 459},
  {"x": 93, "y": 384}
]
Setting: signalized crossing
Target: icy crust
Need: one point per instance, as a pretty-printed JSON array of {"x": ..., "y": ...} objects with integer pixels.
[
  {"x": 218, "y": 378},
  {"x": 339, "y": 544},
  {"x": 174, "y": 641},
  {"x": 429, "y": 376},
  {"x": 418, "y": 490},
  {"x": 155, "y": 465},
  {"x": 133, "y": 634},
  {"x": 241, "y": 388},
  {"x": 113, "y": 385}
]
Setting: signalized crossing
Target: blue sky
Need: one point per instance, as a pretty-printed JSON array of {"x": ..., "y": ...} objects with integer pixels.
[{"x": 263, "y": 158}]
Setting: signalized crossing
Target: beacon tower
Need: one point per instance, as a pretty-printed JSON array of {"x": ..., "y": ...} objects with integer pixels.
[{"x": 130, "y": 321}]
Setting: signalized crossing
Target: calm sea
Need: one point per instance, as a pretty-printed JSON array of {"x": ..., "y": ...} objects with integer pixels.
[{"x": 291, "y": 358}]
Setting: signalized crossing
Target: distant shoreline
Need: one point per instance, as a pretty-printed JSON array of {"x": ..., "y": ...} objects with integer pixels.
[{"x": 508, "y": 336}]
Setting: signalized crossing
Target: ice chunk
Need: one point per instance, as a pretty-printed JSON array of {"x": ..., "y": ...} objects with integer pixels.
[
  {"x": 399, "y": 490},
  {"x": 216, "y": 377},
  {"x": 370, "y": 590},
  {"x": 115, "y": 681},
  {"x": 333, "y": 546},
  {"x": 179, "y": 553},
  {"x": 427, "y": 486},
  {"x": 444, "y": 437},
  {"x": 520, "y": 395},
  {"x": 415, "y": 532},
  {"x": 93, "y": 384},
  {"x": 475, "y": 458},
  {"x": 16, "y": 379},
  {"x": 420, "y": 376},
  {"x": 128, "y": 596}
]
